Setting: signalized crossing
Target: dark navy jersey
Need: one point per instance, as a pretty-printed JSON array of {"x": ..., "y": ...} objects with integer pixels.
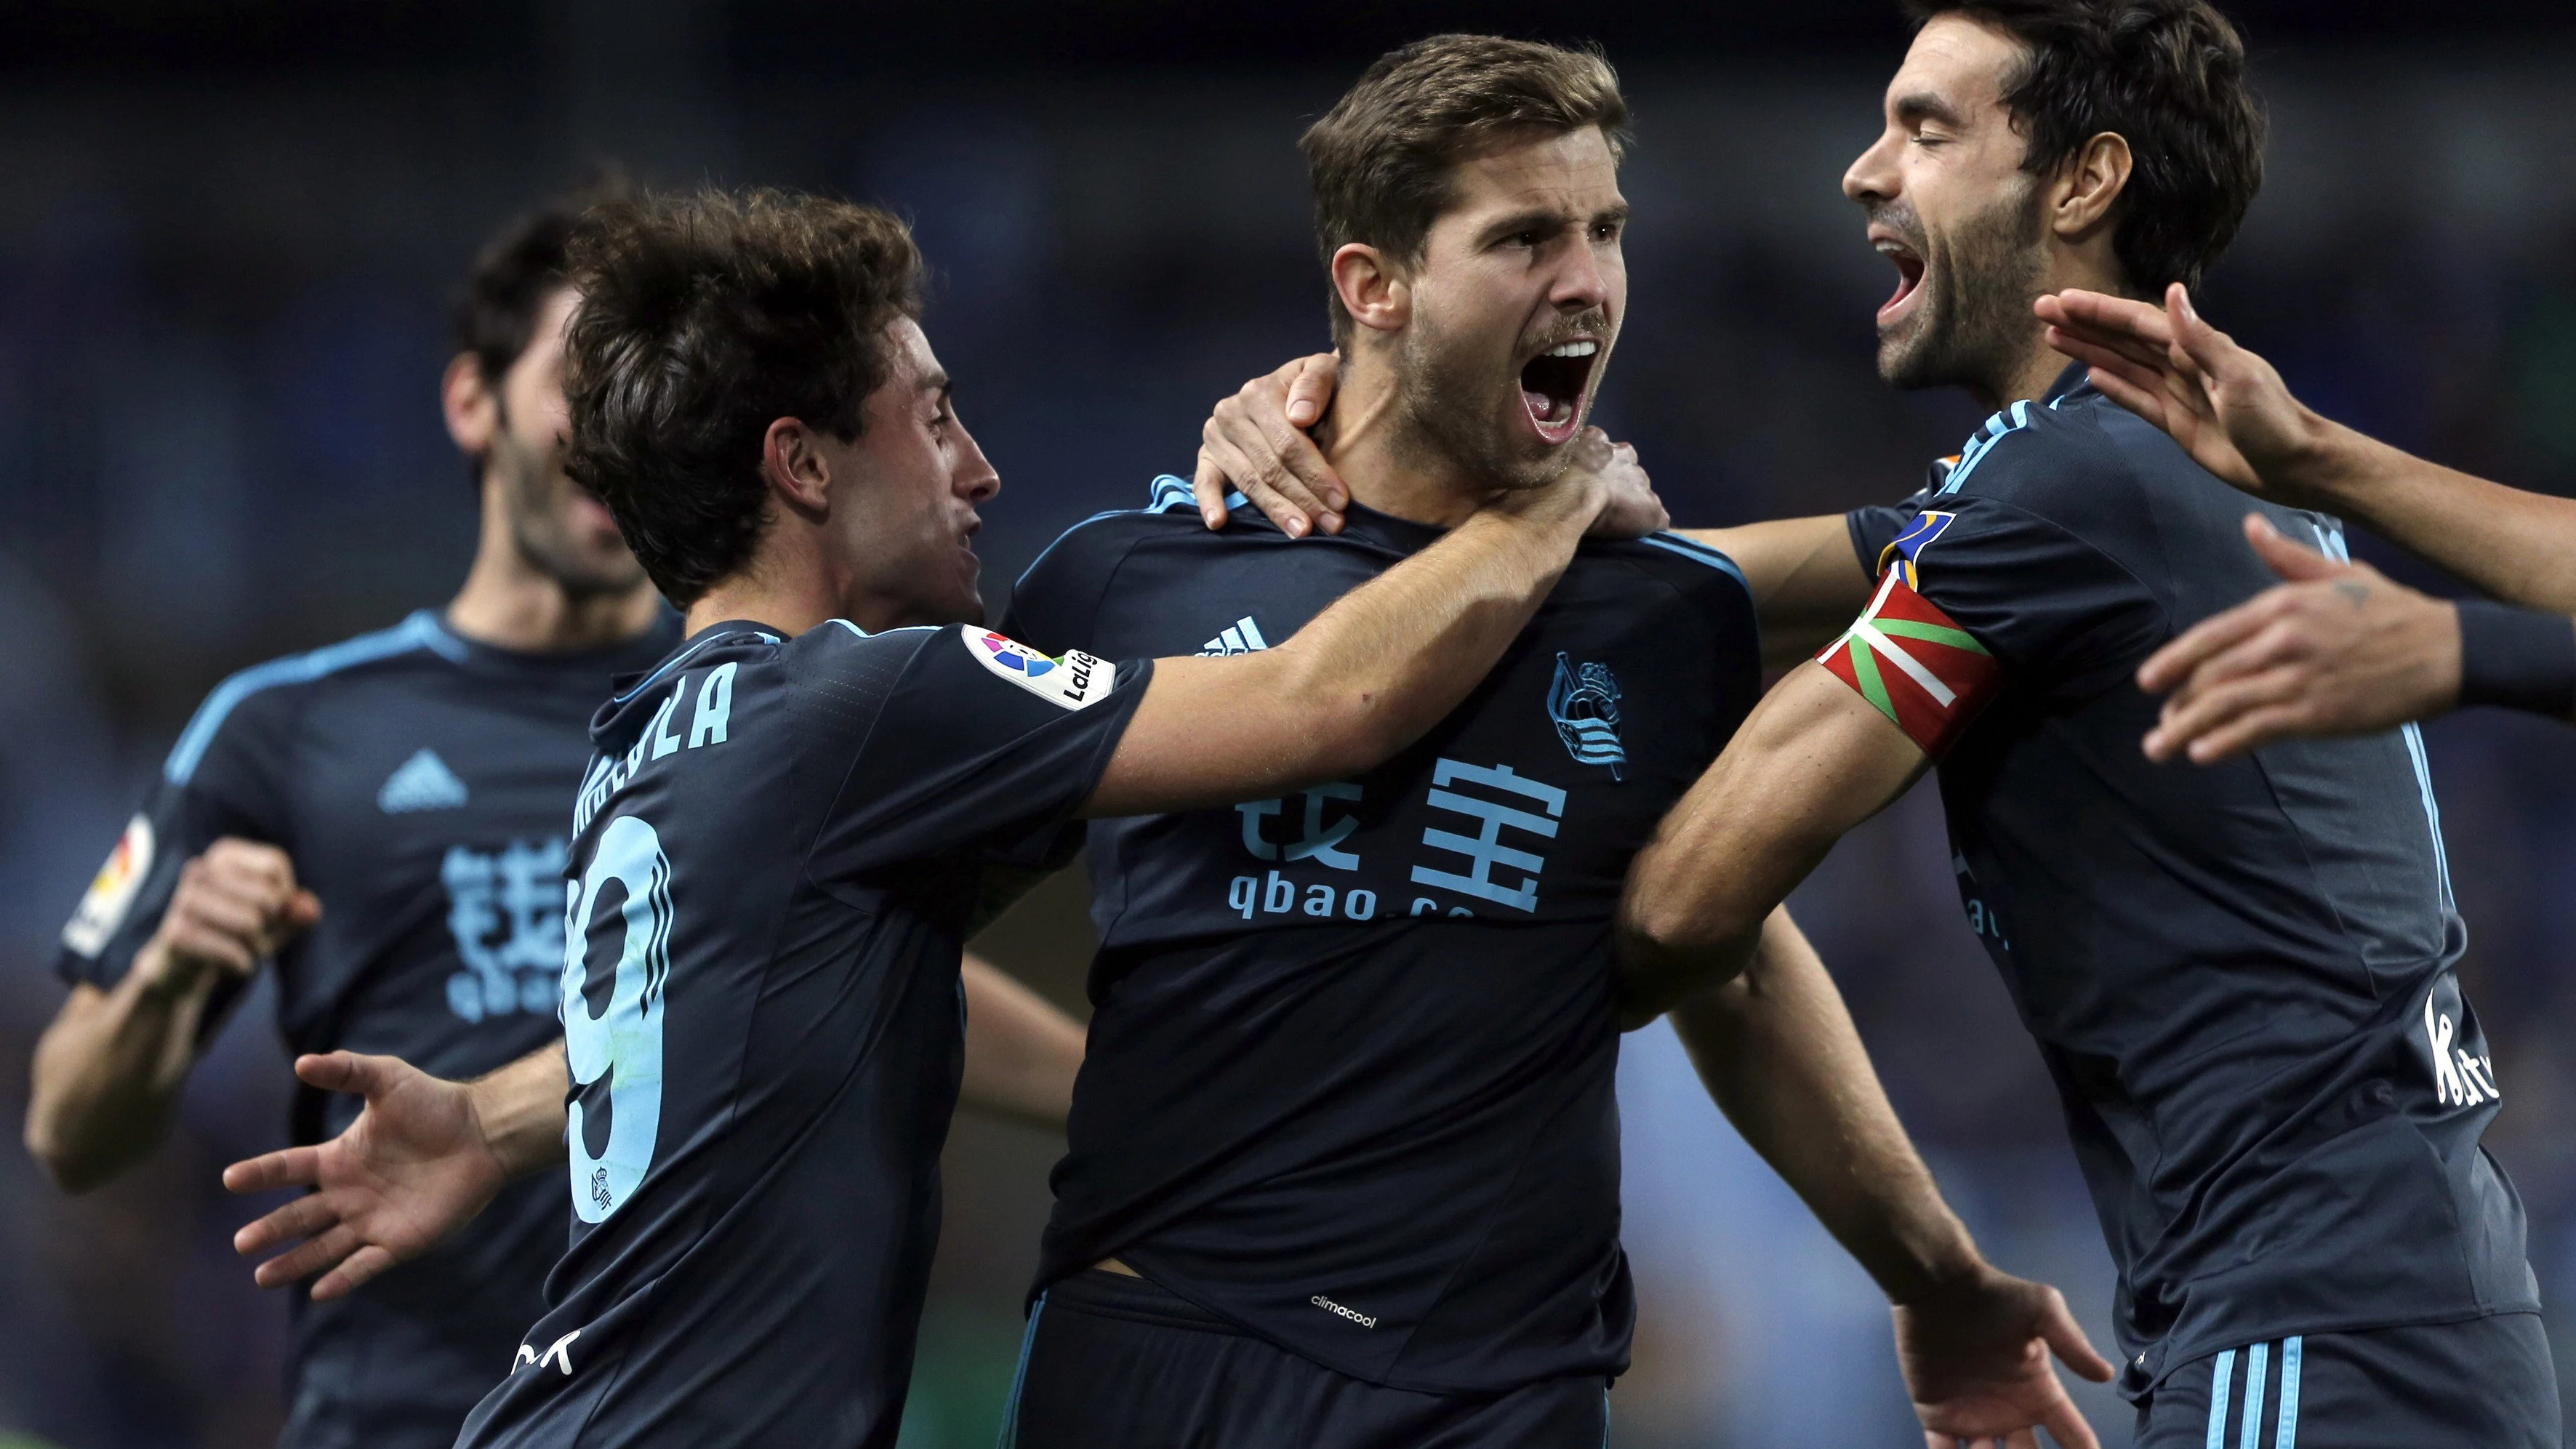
[
  {"x": 775, "y": 855},
  {"x": 2240, "y": 975},
  {"x": 422, "y": 784},
  {"x": 1350, "y": 1072}
]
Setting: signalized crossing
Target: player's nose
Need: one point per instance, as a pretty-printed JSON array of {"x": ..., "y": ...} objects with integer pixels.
[
  {"x": 1871, "y": 178},
  {"x": 975, "y": 477},
  {"x": 1582, "y": 284}
]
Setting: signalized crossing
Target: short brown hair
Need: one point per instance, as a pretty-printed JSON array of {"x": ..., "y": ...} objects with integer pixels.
[
  {"x": 704, "y": 318},
  {"x": 2168, "y": 76},
  {"x": 1383, "y": 159}
]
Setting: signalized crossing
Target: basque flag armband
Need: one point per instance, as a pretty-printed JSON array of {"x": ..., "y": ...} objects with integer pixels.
[{"x": 1908, "y": 658}]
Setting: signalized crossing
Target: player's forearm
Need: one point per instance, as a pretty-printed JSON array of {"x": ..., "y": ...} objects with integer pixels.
[
  {"x": 520, "y": 1108},
  {"x": 1021, "y": 1053},
  {"x": 1778, "y": 1052},
  {"x": 2515, "y": 545},
  {"x": 1361, "y": 681},
  {"x": 107, "y": 1074},
  {"x": 1383, "y": 665},
  {"x": 1806, "y": 585}
]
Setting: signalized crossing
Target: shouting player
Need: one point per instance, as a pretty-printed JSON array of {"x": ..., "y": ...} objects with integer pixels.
[
  {"x": 2241, "y": 977},
  {"x": 386, "y": 817},
  {"x": 1344, "y": 1160},
  {"x": 791, "y": 823}
]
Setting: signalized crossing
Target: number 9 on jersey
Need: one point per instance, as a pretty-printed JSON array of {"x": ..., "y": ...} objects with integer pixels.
[{"x": 619, "y": 918}]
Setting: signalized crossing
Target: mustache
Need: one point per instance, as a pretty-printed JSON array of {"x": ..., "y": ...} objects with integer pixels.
[
  {"x": 1898, "y": 217},
  {"x": 1595, "y": 323}
]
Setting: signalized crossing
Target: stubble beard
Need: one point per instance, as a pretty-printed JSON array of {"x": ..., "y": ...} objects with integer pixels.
[
  {"x": 540, "y": 534},
  {"x": 1973, "y": 327},
  {"x": 1450, "y": 418}
]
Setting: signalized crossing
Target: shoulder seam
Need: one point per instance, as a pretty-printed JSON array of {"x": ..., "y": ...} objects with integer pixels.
[
  {"x": 1697, "y": 552},
  {"x": 419, "y": 631}
]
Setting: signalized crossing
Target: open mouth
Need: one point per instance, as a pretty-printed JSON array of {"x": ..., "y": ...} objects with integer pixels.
[
  {"x": 1909, "y": 275},
  {"x": 1552, "y": 387}
]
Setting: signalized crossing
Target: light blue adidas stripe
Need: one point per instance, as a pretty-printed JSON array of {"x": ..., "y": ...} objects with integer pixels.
[
  {"x": 420, "y": 631},
  {"x": 2331, "y": 542},
  {"x": 2249, "y": 1430},
  {"x": 1020, "y": 1377}
]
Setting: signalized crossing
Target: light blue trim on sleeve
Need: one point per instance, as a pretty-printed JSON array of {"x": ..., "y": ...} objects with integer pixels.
[
  {"x": 1695, "y": 551},
  {"x": 420, "y": 631}
]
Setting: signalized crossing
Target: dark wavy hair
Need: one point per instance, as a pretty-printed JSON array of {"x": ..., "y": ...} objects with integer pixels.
[
  {"x": 2169, "y": 77},
  {"x": 705, "y": 318},
  {"x": 1383, "y": 159}
]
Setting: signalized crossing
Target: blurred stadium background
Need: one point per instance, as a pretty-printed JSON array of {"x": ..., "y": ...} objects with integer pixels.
[{"x": 227, "y": 235}]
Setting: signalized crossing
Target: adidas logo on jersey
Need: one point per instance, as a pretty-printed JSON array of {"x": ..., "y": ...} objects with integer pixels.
[
  {"x": 423, "y": 783},
  {"x": 1240, "y": 637}
]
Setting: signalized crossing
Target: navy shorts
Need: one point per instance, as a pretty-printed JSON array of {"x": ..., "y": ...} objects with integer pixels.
[
  {"x": 1112, "y": 1362},
  {"x": 2487, "y": 1382}
]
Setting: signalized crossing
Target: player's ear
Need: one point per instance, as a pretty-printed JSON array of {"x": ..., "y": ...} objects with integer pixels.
[
  {"x": 473, "y": 411},
  {"x": 2090, "y": 186},
  {"x": 1373, "y": 291},
  {"x": 793, "y": 462}
]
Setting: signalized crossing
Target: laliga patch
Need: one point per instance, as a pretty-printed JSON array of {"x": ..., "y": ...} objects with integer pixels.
[
  {"x": 1901, "y": 554},
  {"x": 1071, "y": 681},
  {"x": 111, "y": 891},
  {"x": 1917, "y": 667}
]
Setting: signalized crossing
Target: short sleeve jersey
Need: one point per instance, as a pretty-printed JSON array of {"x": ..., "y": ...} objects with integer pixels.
[
  {"x": 1351, "y": 1064},
  {"x": 420, "y": 782},
  {"x": 775, "y": 854},
  {"x": 2240, "y": 975}
]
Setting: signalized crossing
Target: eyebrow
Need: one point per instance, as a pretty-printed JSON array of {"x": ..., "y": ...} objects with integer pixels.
[
  {"x": 934, "y": 382},
  {"x": 1547, "y": 220},
  {"x": 1925, "y": 106}
]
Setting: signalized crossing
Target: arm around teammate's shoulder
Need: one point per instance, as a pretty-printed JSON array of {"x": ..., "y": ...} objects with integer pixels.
[{"x": 1368, "y": 676}]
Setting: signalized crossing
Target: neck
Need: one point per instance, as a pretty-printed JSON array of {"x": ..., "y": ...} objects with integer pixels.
[
  {"x": 1387, "y": 463},
  {"x": 2038, "y": 365},
  {"x": 791, "y": 586},
  {"x": 508, "y": 603}
]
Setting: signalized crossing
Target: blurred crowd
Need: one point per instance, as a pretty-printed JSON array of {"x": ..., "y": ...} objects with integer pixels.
[{"x": 220, "y": 335}]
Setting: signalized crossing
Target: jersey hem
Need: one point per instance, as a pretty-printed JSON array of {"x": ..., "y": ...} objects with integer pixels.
[{"x": 2264, "y": 1331}]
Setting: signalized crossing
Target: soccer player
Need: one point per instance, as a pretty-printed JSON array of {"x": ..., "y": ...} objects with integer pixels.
[
  {"x": 386, "y": 818},
  {"x": 2340, "y": 649},
  {"x": 1344, "y": 1154},
  {"x": 2241, "y": 977},
  {"x": 793, "y": 820}
]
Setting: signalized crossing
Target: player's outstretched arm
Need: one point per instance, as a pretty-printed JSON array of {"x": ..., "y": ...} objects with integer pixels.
[
  {"x": 1779, "y": 1054},
  {"x": 108, "y": 1072},
  {"x": 1370, "y": 674},
  {"x": 2229, "y": 408},
  {"x": 424, "y": 1157},
  {"x": 1813, "y": 760},
  {"x": 1021, "y": 1053},
  {"x": 2342, "y": 650},
  {"x": 1805, "y": 580}
]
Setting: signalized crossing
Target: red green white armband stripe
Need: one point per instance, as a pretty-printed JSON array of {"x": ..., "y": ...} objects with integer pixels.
[{"x": 1918, "y": 668}]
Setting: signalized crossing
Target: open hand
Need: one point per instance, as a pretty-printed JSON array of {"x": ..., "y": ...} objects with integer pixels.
[
  {"x": 1256, "y": 441},
  {"x": 1975, "y": 1356},
  {"x": 413, "y": 1168},
  {"x": 2227, "y": 406},
  {"x": 2338, "y": 650}
]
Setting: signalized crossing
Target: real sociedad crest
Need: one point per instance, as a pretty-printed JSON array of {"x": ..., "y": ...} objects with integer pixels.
[{"x": 1584, "y": 702}]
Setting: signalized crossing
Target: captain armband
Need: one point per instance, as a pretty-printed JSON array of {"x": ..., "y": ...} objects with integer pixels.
[{"x": 1918, "y": 668}]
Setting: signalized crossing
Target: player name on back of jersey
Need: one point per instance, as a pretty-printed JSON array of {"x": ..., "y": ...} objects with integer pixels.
[{"x": 710, "y": 714}]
